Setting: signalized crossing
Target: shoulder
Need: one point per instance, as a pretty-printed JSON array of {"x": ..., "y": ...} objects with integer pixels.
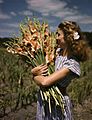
[{"x": 73, "y": 65}]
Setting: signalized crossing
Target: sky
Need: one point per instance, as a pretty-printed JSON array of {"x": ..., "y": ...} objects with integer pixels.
[{"x": 13, "y": 12}]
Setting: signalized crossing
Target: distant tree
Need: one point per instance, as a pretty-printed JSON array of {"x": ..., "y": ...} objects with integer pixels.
[
  {"x": 3, "y": 40},
  {"x": 88, "y": 37}
]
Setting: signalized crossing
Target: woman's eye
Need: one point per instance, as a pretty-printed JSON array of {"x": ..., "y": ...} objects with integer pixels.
[{"x": 57, "y": 33}]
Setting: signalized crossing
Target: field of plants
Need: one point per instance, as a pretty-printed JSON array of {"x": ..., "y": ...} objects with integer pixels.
[{"x": 18, "y": 91}]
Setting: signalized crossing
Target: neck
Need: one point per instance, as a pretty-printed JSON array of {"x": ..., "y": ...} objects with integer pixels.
[{"x": 64, "y": 52}]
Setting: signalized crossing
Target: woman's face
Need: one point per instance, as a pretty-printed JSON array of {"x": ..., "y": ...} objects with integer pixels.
[{"x": 60, "y": 39}]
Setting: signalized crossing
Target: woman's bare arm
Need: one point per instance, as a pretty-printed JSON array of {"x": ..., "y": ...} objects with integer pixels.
[{"x": 51, "y": 79}]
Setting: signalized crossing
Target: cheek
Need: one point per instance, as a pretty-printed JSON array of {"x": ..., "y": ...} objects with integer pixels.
[
  {"x": 62, "y": 43},
  {"x": 62, "y": 40}
]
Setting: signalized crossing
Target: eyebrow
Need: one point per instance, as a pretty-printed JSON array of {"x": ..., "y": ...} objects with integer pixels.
[{"x": 57, "y": 32}]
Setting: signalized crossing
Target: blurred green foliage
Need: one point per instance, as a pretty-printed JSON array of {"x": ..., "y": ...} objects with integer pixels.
[
  {"x": 80, "y": 89},
  {"x": 17, "y": 89}
]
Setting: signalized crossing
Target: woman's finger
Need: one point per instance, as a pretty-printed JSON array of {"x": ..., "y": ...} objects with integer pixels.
[
  {"x": 45, "y": 66},
  {"x": 44, "y": 71},
  {"x": 45, "y": 74}
]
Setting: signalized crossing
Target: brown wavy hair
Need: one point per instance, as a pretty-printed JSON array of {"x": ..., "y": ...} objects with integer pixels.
[{"x": 76, "y": 47}]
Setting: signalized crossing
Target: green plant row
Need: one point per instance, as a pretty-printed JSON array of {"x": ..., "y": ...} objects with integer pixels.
[{"x": 17, "y": 88}]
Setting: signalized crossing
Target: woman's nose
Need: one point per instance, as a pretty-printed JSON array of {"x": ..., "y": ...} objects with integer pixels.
[{"x": 57, "y": 41}]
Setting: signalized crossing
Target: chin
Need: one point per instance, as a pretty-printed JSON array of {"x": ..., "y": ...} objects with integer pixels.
[{"x": 59, "y": 46}]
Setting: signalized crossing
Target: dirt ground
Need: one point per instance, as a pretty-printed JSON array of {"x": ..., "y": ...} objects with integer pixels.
[
  {"x": 80, "y": 112},
  {"x": 84, "y": 111}
]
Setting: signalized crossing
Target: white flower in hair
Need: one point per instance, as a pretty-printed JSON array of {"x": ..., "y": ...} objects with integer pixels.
[{"x": 76, "y": 36}]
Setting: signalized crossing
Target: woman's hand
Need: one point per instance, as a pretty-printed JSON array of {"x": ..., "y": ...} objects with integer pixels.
[{"x": 40, "y": 70}]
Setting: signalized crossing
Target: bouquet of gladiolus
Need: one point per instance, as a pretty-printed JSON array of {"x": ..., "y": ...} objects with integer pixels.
[{"x": 38, "y": 44}]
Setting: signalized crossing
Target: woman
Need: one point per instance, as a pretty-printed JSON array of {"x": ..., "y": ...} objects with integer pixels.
[{"x": 72, "y": 49}]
